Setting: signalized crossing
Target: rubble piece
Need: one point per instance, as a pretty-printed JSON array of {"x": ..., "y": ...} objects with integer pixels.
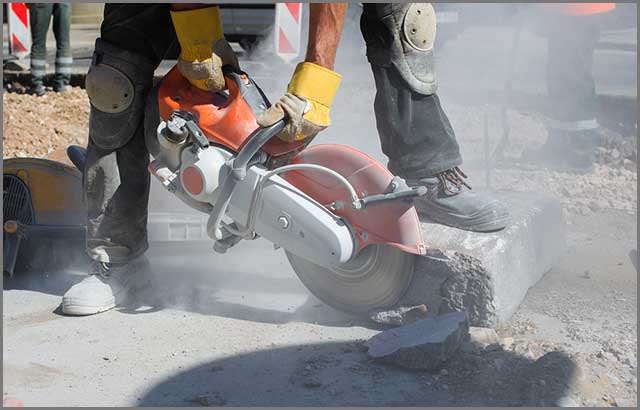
[
  {"x": 425, "y": 344},
  {"x": 488, "y": 274},
  {"x": 483, "y": 336},
  {"x": 399, "y": 316}
]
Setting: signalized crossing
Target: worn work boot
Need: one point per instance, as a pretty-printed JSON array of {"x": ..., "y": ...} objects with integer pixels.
[
  {"x": 60, "y": 87},
  {"x": 108, "y": 285},
  {"x": 450, "y": 201},
  {"x": 38, "y": 90}
]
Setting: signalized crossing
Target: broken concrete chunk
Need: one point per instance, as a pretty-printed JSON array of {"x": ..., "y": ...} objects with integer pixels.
[
  {"x": 488, "y": 274},
  {"x": 483, "y": 336},
  {"x": 399, "y": 316},
  {"x": 425, "y": 344}
]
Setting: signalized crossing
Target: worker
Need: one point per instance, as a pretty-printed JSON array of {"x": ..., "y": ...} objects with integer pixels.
[
  {"x": 39, "y": 19},
  {"x": 572, "y": 30},
  {"x": 414, "y": 130}
]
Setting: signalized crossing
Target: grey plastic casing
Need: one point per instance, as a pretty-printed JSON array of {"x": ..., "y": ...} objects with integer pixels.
[{"x": 311, "y": 231}]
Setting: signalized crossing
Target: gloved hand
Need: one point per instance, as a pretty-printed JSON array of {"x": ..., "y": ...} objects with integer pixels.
[
  {"x": 204, "y": 49},
  {"x": 306, "y": 103}
]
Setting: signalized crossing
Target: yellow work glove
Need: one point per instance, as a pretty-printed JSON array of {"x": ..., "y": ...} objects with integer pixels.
[
  {"x": 204, "y": 49},
  {"x": 306, "y": 103}
]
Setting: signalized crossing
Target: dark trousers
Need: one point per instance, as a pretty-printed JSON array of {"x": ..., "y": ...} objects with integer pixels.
[
  {"x": 570, "y": 83},
  {"x": 414, "y": 131},
  {"x": 39, "y": 19},
  {"x": 116, "y": 182}
]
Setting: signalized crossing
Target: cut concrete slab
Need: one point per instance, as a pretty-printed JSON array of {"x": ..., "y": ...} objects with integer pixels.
[
  {"x": 488, "y": 274},
  {"x": 425, "y": 344}
]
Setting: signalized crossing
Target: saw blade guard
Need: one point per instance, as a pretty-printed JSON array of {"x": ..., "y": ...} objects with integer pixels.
[{"x": 394, "y": 223}]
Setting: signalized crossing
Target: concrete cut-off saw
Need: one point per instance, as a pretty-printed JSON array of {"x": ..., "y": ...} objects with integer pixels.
[{"x": 347, "y": 225}]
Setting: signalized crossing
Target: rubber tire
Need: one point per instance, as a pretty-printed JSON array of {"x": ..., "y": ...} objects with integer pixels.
[{"x": 387, "y": 274}]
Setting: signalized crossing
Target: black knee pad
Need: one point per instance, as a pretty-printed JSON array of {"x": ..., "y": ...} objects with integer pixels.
[
  {"x": 408, "y": 32},
  {"x": 116, "y": 84}
]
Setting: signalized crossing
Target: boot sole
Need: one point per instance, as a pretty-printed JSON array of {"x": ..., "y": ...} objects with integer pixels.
[
  {"x": 83, "y": 310},
  {"x": 485, "y": 223}
]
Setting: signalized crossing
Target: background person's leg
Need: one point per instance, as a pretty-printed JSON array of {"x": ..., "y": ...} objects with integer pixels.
[
  {"x": 61, "y": 31},
  {"x": 39, "y": 18},
  {"x": 571, "y": 89}
]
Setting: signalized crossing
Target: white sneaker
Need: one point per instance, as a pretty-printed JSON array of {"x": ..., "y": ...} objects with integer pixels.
[{"x": 108, "y": 285}]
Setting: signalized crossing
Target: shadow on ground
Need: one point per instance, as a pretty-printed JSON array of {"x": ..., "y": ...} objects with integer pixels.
[{"x": 340, "y": 374}]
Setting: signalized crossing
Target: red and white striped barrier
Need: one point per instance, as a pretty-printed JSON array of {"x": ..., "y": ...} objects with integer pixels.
[
  {"x": 288, "y": 24},
  {"x": 19, "y": 31}
]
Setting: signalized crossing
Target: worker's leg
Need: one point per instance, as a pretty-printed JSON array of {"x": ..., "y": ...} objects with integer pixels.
[
  {"x": 133, "y": 40},
  {"x": 61, "y": 30},
  {"x": 571, "y": 89},
  {"x": 39, "y": 18},
  {"x": 415, "y": 132}
]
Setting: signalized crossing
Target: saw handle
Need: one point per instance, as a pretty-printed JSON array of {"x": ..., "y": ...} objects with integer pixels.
[
  {"x": 247, "y": 89},
  {"x": 392, "y": 196},
  {"x": 237, "y": 171}
]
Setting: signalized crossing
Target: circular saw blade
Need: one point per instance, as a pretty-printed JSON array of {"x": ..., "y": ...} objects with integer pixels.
[{"x": 377, "y": 277}]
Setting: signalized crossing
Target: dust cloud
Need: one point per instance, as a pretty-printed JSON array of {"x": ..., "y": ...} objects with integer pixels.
[{"x": 492, "y": 66}]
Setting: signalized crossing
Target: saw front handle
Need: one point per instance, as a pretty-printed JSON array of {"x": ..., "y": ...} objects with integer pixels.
[{"x": 236, "y": 170}]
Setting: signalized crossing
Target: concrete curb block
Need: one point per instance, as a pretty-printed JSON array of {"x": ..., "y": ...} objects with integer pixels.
[{"x": 488, "y": 275}]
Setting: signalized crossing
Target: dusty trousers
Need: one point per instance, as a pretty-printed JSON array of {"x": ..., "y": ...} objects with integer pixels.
[
  {"x": 414, "y": 130},
  {"x": 116, "y": 181},
  {"x": 570, "y": 84}
]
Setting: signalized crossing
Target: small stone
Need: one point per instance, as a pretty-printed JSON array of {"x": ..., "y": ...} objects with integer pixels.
[
  {"x": 597, "y": 205},
  {"x": 399, "y": 316},
  {"x": 615, "y": 154},
  {"x": 208, "y": 400},
  {"x": 483, "y": 336},
  {"x": 567, "y": 401},
  {"x": 312, "y": 383},
  {"x": 584, "y": 210},
  {"x": 507, "y": 342}
]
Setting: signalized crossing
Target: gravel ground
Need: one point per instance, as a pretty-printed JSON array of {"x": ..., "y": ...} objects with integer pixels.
[
  {"x": 38, "y": 127},
  {"x": 213, "y": 340},
  {"x": 612, "y": 184}
]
